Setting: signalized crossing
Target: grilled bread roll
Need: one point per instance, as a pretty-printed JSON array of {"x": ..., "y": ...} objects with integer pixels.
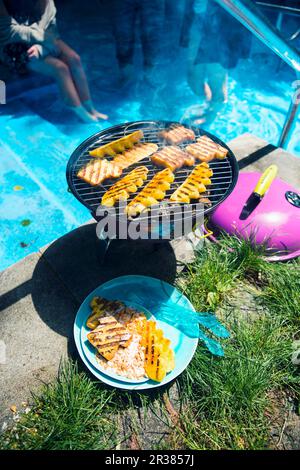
[
  {"x": 97, "y": 171},
  {"x": 108, "y": 336},
  {"x": 172, "y": 157},
  {"x": 135, "y": 154},
  {"x": 206, "y": 149},
  {"x": 177, "y": 134}
]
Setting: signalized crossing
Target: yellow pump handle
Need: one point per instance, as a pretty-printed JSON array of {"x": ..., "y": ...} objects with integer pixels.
[{"x": 265, "y": 180}]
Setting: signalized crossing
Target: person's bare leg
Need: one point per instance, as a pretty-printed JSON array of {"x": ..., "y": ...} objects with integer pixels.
[
  {"x": 215, "y": 91},
  {"x": 207, "y": 92},
  {"x": 196, "y": 78},
  {"x": 225, "y": 88},
  {"x": 73, "y": 61},
  {"x": 53, "y": 67},
  {"x": 217, "y": 79}
]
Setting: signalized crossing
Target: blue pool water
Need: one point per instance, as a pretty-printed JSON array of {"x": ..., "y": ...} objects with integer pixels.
[{"x": 37, "y": 134}]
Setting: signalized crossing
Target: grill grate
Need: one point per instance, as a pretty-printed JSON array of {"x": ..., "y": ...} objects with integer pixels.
[{"x": 224, "y": 177}]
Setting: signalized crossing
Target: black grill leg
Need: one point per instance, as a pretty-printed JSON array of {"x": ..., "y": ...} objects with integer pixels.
[
  {"x": 158, "y": 244},
  {"x": 104, "y": 249}
]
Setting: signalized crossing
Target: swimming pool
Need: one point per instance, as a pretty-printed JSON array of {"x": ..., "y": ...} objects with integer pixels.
[{"x": 37, "y": 134}]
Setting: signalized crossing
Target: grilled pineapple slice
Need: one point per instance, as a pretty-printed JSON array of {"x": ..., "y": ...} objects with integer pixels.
[
  {"x": 125, "y": 186},
  {"x": 159, "y": 357},
  {"x": 100, "y": 308},
  {"x": 170, "y": 360},
  {"x": 154, "y": 367},
  {"x": 153, "y": 192},
  {"x": 193, "y": 185},
  {"x": 117, "y": 146}
]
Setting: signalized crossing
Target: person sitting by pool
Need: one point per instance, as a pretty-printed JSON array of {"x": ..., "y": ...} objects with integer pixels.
[
  {"x": 29, "y": 39},
  {"x": 222, "y": 42}
]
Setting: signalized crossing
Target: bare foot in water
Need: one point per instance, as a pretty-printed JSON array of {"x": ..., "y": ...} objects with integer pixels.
[
  {"x": 84, "y": 115},
  {"x": 99, "y": 116},
  {"x": 199, "y": 122},
  {"x": 90, "y": 108}
]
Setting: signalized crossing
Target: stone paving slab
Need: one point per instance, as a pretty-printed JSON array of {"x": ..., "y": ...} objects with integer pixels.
[
  {"x": 40, "y": 295},
  {"x": 32, "y": 297},
  {"x": 246, "y": 145}
]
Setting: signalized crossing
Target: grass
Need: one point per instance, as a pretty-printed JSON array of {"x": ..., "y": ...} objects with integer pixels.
[
  {"x": 226, "y": 399},
  {"x": 224, "y": 402},
  {"x": 214, "y": 275},
  {"x": 68, "y": 414},
  {"x": 282, "y": 294}
]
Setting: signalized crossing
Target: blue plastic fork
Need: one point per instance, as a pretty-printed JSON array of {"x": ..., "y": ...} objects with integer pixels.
[{"x": 188, "y": 321}]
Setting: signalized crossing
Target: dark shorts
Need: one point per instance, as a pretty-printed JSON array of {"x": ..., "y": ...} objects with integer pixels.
[{"x": 150, "y": 13}]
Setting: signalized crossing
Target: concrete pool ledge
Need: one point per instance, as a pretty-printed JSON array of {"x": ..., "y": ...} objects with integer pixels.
[
  {"x": 40, "y": 294},
  {"x": 255, "y": 154}
]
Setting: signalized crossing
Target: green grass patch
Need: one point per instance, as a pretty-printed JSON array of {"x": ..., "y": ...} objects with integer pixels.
[
  {"x": 70, "y": 413},
  {"x": 208, "y": 281},
  {"x": 225, "y": 399},
  {"x": 282, "y": 293}
]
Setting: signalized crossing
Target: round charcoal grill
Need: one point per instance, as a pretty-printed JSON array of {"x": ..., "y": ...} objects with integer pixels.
[{"x": 225, "y": 173}]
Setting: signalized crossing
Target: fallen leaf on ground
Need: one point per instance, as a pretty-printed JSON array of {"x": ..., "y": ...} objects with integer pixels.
[{"x": 26, "y": 222}]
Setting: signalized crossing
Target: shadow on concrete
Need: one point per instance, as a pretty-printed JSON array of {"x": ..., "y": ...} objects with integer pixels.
[
  {"x": 76, "y": 262},
  {"x": 47, "y": 288}
]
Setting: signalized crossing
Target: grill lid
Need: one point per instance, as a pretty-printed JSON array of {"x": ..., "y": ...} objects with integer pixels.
[{"x": 225, "y": 172}]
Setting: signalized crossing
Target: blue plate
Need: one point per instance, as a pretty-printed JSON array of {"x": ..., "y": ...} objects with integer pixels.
[{"x": 146, "y": 288}]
